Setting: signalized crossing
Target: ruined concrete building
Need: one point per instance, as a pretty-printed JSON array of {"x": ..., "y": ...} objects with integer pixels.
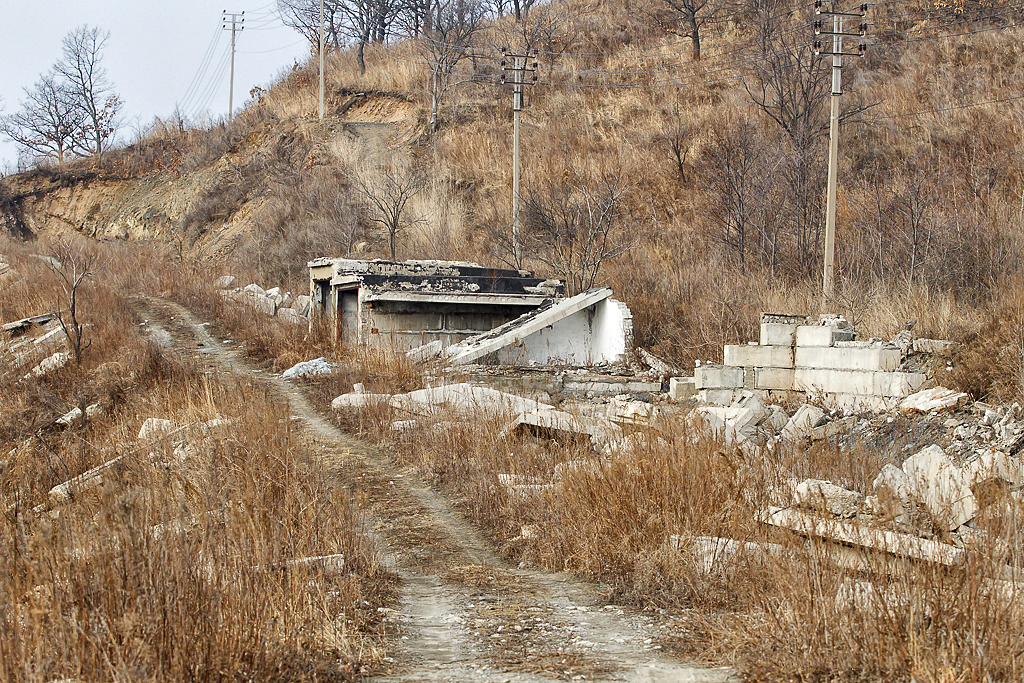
[{"x": 471, "y": 313}]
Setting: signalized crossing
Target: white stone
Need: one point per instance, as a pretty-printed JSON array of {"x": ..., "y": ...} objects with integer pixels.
[
  {"x": 898, "y": 384},
  {"x": 718, "y": 397},
  {"x": 735, "y": 425},
  {"x": 76, "y": 413},
  {"x": 814, "y": 335},
  {"x": 681, "y": 388},
  {"x": 718, "y": 377},
  {"x": 225, "y": 282},
  {"x": 255, "y": 290},
  {"x": 894, "y": 482},
  {"x": 50, "y": 363},
  {"x": 290, "y": 316},
  {"x": 806, "y": 418},
  {"x": 938, "y": 485},
  {"x": 317, "y": 366},
  {"x": 936, "y": 398},
  {"x": 846, "y": 358},
  {"x": 301, "y": 305},
  {"x": 359, "y": 400},
  {"x": 712, "y": 554},
  {"x": 155, "y": 428},
  {"x": 776, "y": 419},
  {"x": 286, "y": 301},
  {"x": 93, "y": 478},
  {"x": 935, "y": 347},
  {"x": 264, "y": 304},
  {"x": 827, "y": 497},
  {"x": 274, "y": 293},
  {"x": 759, "y": 356},
  {"x": 989, "y": 465}
]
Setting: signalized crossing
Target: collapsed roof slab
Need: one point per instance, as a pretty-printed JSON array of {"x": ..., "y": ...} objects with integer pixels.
[{"x": 586, "y": 329}]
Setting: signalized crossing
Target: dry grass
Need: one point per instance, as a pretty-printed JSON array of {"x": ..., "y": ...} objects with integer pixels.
[{"x": 180, "y": 565}]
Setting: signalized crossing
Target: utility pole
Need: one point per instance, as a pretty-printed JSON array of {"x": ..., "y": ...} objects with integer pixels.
[
  {"x": 237, "y": 20},
  {"x": 321, "y": 59},
  {"x": 516, "y": 74},
  {"x": 837, "y": 33}
]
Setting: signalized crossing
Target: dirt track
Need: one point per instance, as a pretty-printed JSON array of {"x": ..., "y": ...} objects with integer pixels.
[{"x": 464, "y": 615}]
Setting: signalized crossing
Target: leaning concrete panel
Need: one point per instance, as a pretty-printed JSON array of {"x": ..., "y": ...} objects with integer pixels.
[
  {"x": 512, "y": 332},
  {"x": 749, "y": 355}
]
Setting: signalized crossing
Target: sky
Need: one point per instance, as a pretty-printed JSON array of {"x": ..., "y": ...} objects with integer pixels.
[{"x": 154, "y": 57}]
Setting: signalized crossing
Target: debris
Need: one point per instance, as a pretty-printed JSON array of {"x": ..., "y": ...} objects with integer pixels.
[
  {"x": 681, "y": 388},
  {"x": 805, "y": 419},
  {"x": 935, "y": 399},
  {"x": 938, "y": 485},
  {"x": 624, "y": 410},
  {"x": 49, "y": 364},
  {"x": 601, "y": 431},
  {"x": 935, "y": 347},
  {"x": 317, "y": 366},
  {"x": 713, "y": 554},
  {"x": 76, "y": 414},
  {"x": 993, "y": 465},
  {"x": 903, "y": 545},
  {"x": 734, "y": 424},
  {"x": 894, "y": 483},
  {"x": 225, "y": 282},
  {"x": 62, "y": 493},
  {"x": 155, "y": 428},
  {"x": 426, "y": 352},
  {"x": 657, "y": 364},
  {"x": 827, "y": 497}
]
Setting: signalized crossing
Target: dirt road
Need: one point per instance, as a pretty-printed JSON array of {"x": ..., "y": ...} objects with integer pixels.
[{"x": 464, "y": 615}]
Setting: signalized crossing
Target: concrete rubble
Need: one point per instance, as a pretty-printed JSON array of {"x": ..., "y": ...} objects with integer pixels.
[
  {"x": 713, "y": 555},
  {"x": 317, "y": 366},
  {"x": 271, "y": 302}
]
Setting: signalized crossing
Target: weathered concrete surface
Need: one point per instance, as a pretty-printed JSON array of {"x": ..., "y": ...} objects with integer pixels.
[
  {"x": 806, "y": 418},
  {"x": 847, "y": 358},
  {"x": 748, "y": 355},
  {"x": 938, "y": 485},
  {"x": 825, "y": 496},
  {"x": 937, "y": 399},
  {"x": 682, "y": 388},
  {"x": 709, "y": 376}
]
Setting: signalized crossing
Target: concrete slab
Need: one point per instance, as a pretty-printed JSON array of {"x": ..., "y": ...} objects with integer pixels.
[
  {"x": 846, "y": 358},
  {"x": 681, "y": 388},
  {"x": 825, "y": 496},
  {"x": 806, "y": 418},
  {"x": 814, "y": 381},
  {"x": 63, "y": 493},
  {"x": 935, "y": 399},
  {"x": 717, "y": 397},
  {"x": 709, "y": 376},
  {"x": 778, "y": 334},
  {"x": 773, "y": 379},
  {"x": 938, "y": 485},
  {"x": 898, "y": 384},
  {"x": 225, "y": 282},
  {"x": 748, "y": 355},
  {"x": 894, "y": 483},
  {"x": 935, "y": 347}
]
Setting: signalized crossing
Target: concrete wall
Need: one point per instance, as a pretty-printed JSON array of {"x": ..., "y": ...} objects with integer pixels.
[
  {"x": 411, "y": 325},
  {"x": 601, "y": 333}
]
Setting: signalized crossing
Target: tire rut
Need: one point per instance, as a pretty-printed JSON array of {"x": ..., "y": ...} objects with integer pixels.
[{"x": 464, "y": 614}]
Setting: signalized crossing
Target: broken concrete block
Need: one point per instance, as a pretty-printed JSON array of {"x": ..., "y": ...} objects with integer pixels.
[
  {"x": 681, "y": 388},
  {"x": 62, "y": 493},
  {"x": 759, "y": 356},
  {"x": 255, "y": 290},
  {"x": 718, "y": 377},
  {"x": 938, "y": 485},
  {"x": 903, "y": 545},
  {"x": 274, "y": 293},
  {"x": 776, "y": 418},
  {"x": 225, "y": 282},
  {"x": 53, "y": 337},
  {"x": 290, "y": 316},
  {"x": 712, "y": 554},
  {"x": 773, "y": 379},
  {"x": 853, "y": 404},
  {"x": 49, "y": 364},
  {"x": 301, "y": 305},
  {"x": 894, "y": 482},
  {"x": 778, "y": 334},
  {"x": 735, "y": 425},
  {"x": 264, "y": 304},
  {"x": 898, "y": 384},
  {"x": 827, "y": 497},
  {"x": 657, "y": 364},
  {"x": 624, "y": 410},
  {"x": 934, "y": 399},
  {"x": 847, "y": 358},
  {"x": 814, "y": 335},
  {"x": 76, "y": 414},
  {"x": 548, "y": 418},
  {"x": 155, "y": 428},
  {"x": 359, "y": 400},
  {"x": 317, "y": 366},
  {"x": 833, "y": 428},
  {"x": 935, "y": 347},
  {"x": 806, "y": 418},
  {"x": 286, "y": 301},
  {"x": 990, "y": 465}
]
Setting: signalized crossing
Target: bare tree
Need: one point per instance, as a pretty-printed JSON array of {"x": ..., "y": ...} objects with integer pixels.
[
  {"x": 345, "y": 21},
  {"x": 449, "y": 41},
  {"x": 92, "y": 93},
  {"x": 578, "y": 223},
  {"x": 387, "y": 190},
  {"x": 678, "y": 136},
  {"x": 48, "y": 121},
  {"x": 72, "y": 266},
  {"x": 543, "y": 30},
  {"x": 687, "y": 18}
]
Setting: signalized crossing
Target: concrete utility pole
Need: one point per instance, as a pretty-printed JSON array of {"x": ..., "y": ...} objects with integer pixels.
[
  {"x": 321, "y": 59},
  {"x": 827, "y": 287},
  {"x": 237, "y": 20},
  {"x": 516, "y": 74}
]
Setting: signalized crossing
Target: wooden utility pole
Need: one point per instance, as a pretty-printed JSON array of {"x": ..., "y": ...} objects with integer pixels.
[
  {"x": 516, "y": 74},
  {"x": 837, "y": 33},
  {"x": 321, "y": 59},
  {"x": 237, "y": 20}
]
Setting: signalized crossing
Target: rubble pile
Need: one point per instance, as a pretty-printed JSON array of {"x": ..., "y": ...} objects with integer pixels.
[
  {"x": 7, "y": 273},
  {"x": 818, "y": 358},
  {"x": 38, "y": 343},
  {"x": 272, "y": 302}
]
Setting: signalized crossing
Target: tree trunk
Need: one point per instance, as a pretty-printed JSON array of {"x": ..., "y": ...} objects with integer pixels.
[
  {"x": 359, "y": 58},
  {"x": 695, "y": 38}
]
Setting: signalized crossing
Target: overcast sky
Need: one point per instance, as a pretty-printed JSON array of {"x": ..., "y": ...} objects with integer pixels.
[{"x": 155, "y": 51}]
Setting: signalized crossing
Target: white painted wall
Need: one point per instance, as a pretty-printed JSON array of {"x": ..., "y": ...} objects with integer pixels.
[{"x": 601, "y": 333}]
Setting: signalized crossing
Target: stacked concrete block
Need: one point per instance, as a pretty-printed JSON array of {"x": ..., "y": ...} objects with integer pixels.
[
  {"x": 754, "y": 355},
  {"x": 718, "y": 377}
]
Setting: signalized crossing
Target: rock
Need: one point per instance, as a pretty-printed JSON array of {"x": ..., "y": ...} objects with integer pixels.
[
  {"x": 290, "y": 316},
  {"x": 806, "y": 418},
  {"x": 893, "y": 482},
  {"x": 317, "y": 366},
  {"x": 935, "y": 347},
  {"x": 286, "y": 300},
  {"x": 49, "y": 364},
  {"x": 76, "y": 413},
  {"x": 225, "y": 282},
  {"x": 264, "y": 304},
  {"x": 928, "y": 400},
  {"x": 990, "y": 465},
  {"x": 735, "y": 424},
  {"x": 62, "y": 493},
  {"x": 155, "y": 428},
  {"x": 274, "y": 293},
  {"x": 776, "y": 418},
  {"x": 255, "y": 290},
  {"x": 359, "y": 400},
  {"x": 712, "y": 554},
  {"x": 938, "y": 485},
  {"x": 827, "y": 497},
  {"x": 301, "y": 305},
  {"x": 622, "y": 409}
]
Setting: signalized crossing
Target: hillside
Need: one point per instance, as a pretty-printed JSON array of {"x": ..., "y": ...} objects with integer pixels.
[{"x": 710, "y": 174}]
